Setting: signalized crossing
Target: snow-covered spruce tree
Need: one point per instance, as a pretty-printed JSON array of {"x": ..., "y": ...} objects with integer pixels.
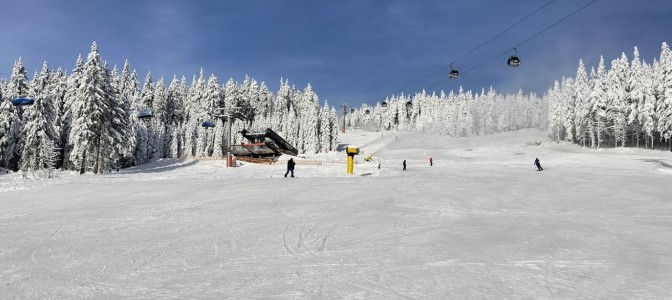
[
  {"x": 617, "y": 106},
  {"x": 663, "y": 93},
  {"x": 97, "y": 122},
  {"x": 263, "y": 108},
  {"x": 582, "y": 108},
  {"x": 145, "y": 133},
  {"x": 177, "y": 94},
  {"x": 281, "y": 108},
  {"x": 569, "y": 103},
  {"x": 212, "y": 138},
  {"x": 59, "y": 86},
  {"x": 647, "y": 115},
  {"x": 599, "y": 102},
  {"x": 197, "y": 113},
  {"x": 11, "y": 118},
  {"x": 161, "y": 120},
  {"x": 39, "y": 132},
  {"x": 70, "y": 97},
  {"x": 635, "y": 97},
  {"x": 309, "y": 125},
  {"x": 129, "y": 93},
  {"x": 244, "y": 97}
]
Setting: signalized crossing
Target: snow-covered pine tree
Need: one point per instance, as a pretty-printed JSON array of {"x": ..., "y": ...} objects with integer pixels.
[
  {"x": 145, "y": 134},
  {"x": 39, "y": 130},
  {"x": 161, "y": 119},
  {"x": 309, "y": 124},
  {"x": 599, "y": 102},
  {"x": 617, "y": 106},
  {"x": 636, "y": 96},
  {"x": 95, "y": 132},
  {"x": 647, "y": 115},
  {"x": 663, "y": 93},
  {"x": 176, "y": 96},
  {"x": 11, "y": 119},
  {"x": 194, "y": 131},
  {"x": 582, "y": 105},
  {"x": 70, "y": 97},
  {"x": 211, "y": 100}
]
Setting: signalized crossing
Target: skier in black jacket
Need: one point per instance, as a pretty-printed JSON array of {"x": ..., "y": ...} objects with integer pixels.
[
  {"x": 536, "y": 163},
  {"x": 290, "y": 167}
]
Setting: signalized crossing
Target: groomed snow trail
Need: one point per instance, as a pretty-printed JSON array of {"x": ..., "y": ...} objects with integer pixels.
[{"x": 480, "y": 223}]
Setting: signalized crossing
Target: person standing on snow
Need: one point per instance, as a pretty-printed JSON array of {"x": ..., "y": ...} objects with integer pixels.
[
  {"x": 431, "y": 162},
  {"x": 290, "y": 167},
  {"x": 538, "y": 164},
  {"x": 404, "y": 164}
]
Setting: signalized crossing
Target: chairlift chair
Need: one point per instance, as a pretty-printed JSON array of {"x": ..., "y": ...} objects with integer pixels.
[
  {"x": 208, "y": 124},
  {"x": 145, "y": 113},
  {"x": 23, "y": 101}
]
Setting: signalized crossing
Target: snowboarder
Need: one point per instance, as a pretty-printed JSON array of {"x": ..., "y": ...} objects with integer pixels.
[
  {"x": 404, "y": 164},
  {"x": 290, "y": 167},
  {"x": 431, "y": 162},
  {"x": 538, "y": 164}
]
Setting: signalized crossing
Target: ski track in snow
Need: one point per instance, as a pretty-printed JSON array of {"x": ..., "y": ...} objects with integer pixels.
[{"x": 480, "y": 223}]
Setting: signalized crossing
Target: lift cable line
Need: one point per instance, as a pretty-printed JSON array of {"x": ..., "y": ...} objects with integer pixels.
[
  {"x": 521, "y": 43},
  {"x": 470, "y": 52}
]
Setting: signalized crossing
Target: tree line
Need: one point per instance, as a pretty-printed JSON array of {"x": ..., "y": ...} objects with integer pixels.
[
  {"x": 458, "y": 114},
  {"x": 87, "y": 120},
  {"x": 629, "y": 104}
]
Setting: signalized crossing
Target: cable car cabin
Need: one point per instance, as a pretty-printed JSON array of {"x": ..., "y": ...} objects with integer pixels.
[
  {"x": 145, "y": 113},
  {"x": 352, "y": 110},
  {"x": 208, "y": 124},
  {"x": 409, "y": 105},
  {"x": 514, "y": 61},
  {"x": 453, "y": 74},
  {"x": 367, "y": 111},
  {"x": 384, "y": 104},
  {"x": 23, "y": 101}
]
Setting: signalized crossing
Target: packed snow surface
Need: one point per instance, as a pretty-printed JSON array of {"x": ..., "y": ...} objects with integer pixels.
[{"x": 480, "y": 223}]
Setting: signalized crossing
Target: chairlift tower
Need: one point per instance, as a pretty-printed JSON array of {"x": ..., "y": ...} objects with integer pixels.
[
  {"x": 228, "y": 115},
  {"x": 345, "y": 112}
]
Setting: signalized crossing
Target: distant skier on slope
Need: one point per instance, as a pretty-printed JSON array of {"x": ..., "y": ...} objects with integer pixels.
[
  {"x": 431, "y": 162},
  {"x": 290, "y": 167},
  {"x": 404, "y": 164},
  {"x": 538, "y": 164}
]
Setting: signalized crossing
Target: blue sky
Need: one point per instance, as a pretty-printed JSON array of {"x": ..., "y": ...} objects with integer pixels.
[{"x": 354, "y": 51}]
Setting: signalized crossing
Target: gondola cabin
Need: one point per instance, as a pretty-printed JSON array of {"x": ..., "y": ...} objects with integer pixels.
[
  {"x": 409, "y": 105},
  {"x": 146, "y": 113},
  {"x": 352, "y": 110},
  {"x": 367, "y": 111},
  {"x": 23, "y": 101},
  {"x": 513, "y": 61},
  {"x": 384, "y": 104},
  {"x": 208, "y": 124}
]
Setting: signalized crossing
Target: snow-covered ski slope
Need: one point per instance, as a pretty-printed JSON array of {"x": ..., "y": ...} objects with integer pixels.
[{"x": 480, "y": 223}]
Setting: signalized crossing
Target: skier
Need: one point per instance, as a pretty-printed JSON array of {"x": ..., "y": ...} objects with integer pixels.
[
  {"x": 536, "y": 163},
  {"x": 404, "y": 164},
  {"x": 431, "y": 162},
  {"x": 290, "y": 167}
]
